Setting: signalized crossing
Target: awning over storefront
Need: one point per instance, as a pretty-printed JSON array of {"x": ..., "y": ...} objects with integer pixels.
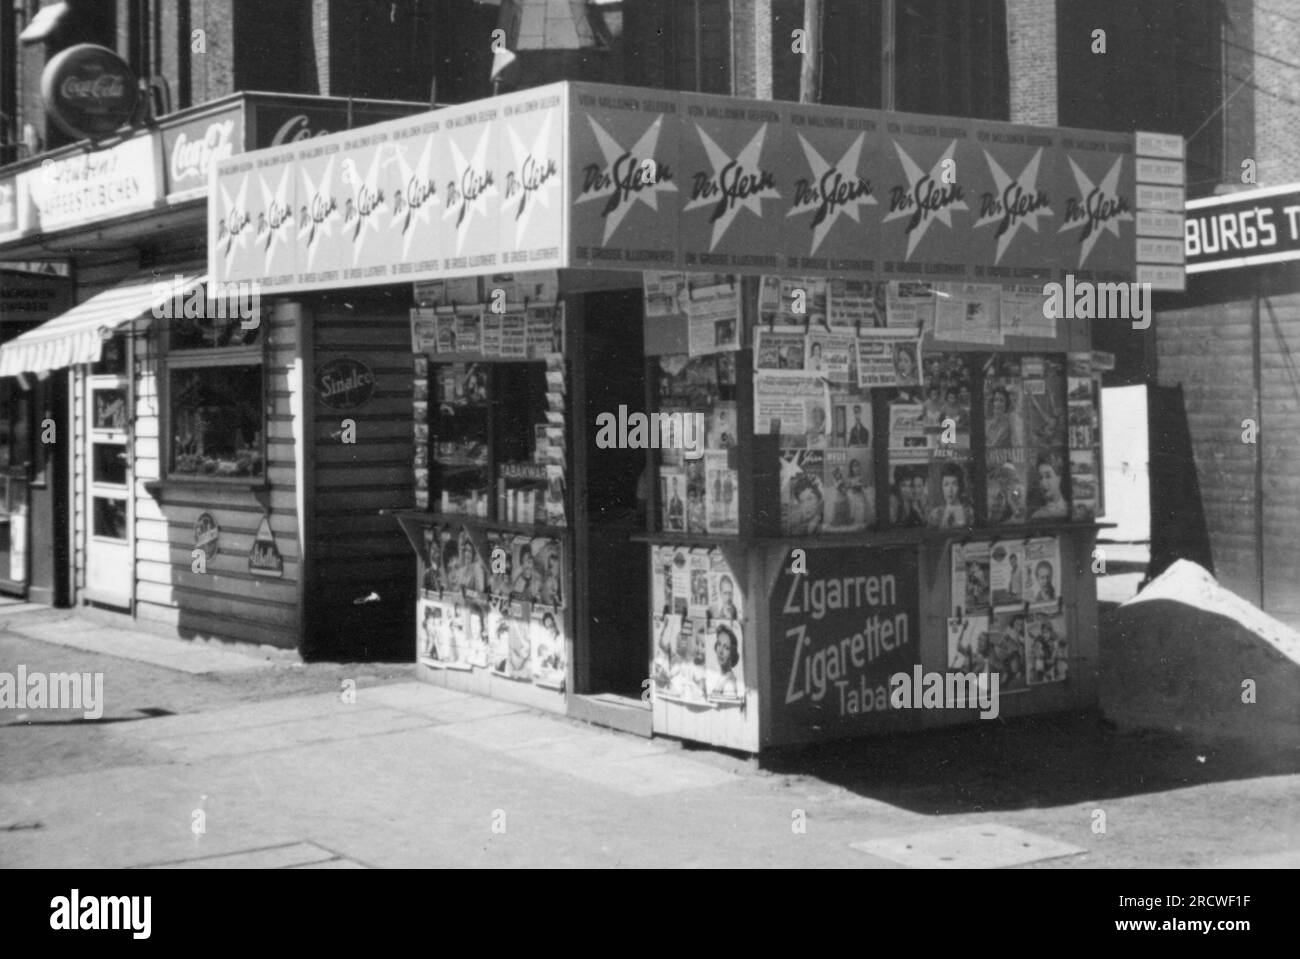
[{"x": 78, "y": 335}]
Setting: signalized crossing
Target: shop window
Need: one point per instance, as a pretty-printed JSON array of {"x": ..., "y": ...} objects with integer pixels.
[{"x": 216, "y": 411}]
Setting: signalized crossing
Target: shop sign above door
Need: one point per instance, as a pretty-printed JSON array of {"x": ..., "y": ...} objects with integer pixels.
[
  {"x": 588, "y": 176},
  {"x": 89, "y": 91}
]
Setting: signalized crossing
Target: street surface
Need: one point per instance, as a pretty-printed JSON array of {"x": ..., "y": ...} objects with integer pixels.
[{"x": 209, "y": 757}]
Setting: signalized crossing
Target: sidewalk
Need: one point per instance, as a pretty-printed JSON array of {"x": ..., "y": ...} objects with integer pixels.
[{"x": 286, "y": 774}]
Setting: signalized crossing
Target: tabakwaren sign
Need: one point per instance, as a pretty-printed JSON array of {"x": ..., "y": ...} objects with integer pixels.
[
  {"x": 1251, "y": 228},
  {"x": 581, "y": 176}
]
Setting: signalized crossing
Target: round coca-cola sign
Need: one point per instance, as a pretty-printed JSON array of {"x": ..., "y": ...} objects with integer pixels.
[{"x": 89, "y": 91}]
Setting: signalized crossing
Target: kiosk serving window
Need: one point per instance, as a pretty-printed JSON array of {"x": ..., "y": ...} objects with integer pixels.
[{"x": 216, "y": 411}]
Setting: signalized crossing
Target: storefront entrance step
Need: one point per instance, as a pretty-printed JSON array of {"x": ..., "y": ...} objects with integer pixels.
[
  {"x": 989, "y": 846},
  {"x": 298, "y": 855},
  {"x": 174, "y": 654},
  {"x": 617, "y": 712}
]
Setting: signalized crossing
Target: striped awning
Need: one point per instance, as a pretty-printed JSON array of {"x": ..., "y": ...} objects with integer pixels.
[{"x": 78, "y": 335}]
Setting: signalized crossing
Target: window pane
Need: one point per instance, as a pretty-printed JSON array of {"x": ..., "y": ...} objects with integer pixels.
[
  {"x": 217, "y": 421},
  {"x": 110, "y": 463},
  {"x": 110, "y": 517},
  {"x": 110, "y": 410}
]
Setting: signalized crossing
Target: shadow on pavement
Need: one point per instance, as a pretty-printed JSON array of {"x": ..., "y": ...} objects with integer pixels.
[{"x": 1027, "y": 763}]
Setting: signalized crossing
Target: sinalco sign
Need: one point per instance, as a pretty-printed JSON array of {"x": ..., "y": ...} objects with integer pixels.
[
  {"x": 89, "y": 91},
  {"x": 345, "y": 383}
]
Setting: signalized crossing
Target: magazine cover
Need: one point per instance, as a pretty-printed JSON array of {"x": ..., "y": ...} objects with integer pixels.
[
  {"x": 802, "y": 497},
  {"x": 523, "y": 567},
  {"x": 778, "y": 349},
  {"x": 967, "y": 638},
  {"x": 1007, "y": 649},
  {"x": 832, "y": 355},
  {"x": 855, "y": 304},
  {"x": 433, "y": 638},
  {"x": 667, "y": 630},
  {"x": 1085, "y": 488},
  {"x": 949, "y": 493},
  {"x": 500, "y": 565},
  {"x": 887, "y": 358},
  {"x": 681, "y": 572},
  {"x": 850, "y": 420},
  {"x": 547, "y": 648},
  {"x": 1007, "y": 486},
  {"x": 698, "y": 605},
  {"x": 970, "y": 577},
  {"x": 679, "y": 667},
  {"x": 909, "y": 497},
  {"x": 849, "y": 487},
  {"x": 696, "y": 505},
  {"x": 672, "y": 488},
  {"x": 1004, "y": 423},
  {"x": 724, "y": 674},
  {"x": 724, "y": 597},
  {"x": 1049, "y": 654},
  {"x": 792, "y": 301},
  {"x": 720, "y": 427},
  {"x": 435, "y": 542},
  {"x": 498, "y": 627},
  {"x": 547, "y": 576},
  {"x": 1047, "y": 498},
  {"x": 1044, "y": 396},
  {"x": 1043, "y": 570},
  {"x": 946, "y": 412},
  {"x": 1007, "y": 579},
  {"x": 478, "y": 641},
  {"x": 520, "y": 656},
  {"x": 721, "y": 495},
  {"x": 792, "y": 405}
]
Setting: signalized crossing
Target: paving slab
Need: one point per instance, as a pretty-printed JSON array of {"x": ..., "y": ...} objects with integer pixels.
[{"x": 986, "y": 846}]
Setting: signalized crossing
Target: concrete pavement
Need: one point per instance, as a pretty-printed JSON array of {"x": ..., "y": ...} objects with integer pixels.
[{"x": 210, "y": 758}]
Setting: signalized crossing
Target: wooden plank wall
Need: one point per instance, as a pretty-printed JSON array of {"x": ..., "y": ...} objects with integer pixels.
[
  {"x": 227, "y": 601},
  {"x": 354, "y": 550}
]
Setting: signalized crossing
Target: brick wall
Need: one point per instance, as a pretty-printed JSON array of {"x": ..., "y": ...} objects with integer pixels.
[
  {"x": 1211, "y": 355},
  {"x": 1277, "y": 133},
  {"x": 1031, "y": 55}
]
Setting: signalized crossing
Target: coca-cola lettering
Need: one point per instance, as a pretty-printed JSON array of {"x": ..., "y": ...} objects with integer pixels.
[
  {"x": 732, "y": 185},
  {"x": 193, "y": 158},
  {"x": 294, "y": 129},
  {"x": 89, "y": 91}
]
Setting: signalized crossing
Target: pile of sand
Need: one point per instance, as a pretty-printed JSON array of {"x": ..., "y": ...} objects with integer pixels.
[{"x": 1179, "y": 655}]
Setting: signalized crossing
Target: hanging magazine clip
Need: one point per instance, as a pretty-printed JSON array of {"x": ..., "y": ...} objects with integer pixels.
[{"x": 525, "y": 302}]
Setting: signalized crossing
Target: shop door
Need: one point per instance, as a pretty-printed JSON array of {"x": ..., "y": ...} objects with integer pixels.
[
  {"x": 110, "y": 549},
  {"x": 615, "y": 603},
  {"x": 15, "y": 424}
]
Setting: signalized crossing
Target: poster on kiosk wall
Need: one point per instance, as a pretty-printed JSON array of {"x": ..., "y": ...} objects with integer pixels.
[
  {"x": 843, "y": 622},
  {"x": 586, "y": 176}
]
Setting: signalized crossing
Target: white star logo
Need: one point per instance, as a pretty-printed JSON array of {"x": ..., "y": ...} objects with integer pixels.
[
  {"x": 947, "y": 198},
  {"x": 1010, "y": 214},
  {"x": 280, "y": 213},
  {"x": 418, "y": 196},
  {"x": 1102, "y": 208},
  {"x": 477, "y": 185},
  {"x": 535, "y": 182},
  {"x": 627, "y": 177},
  {"x": 833, "y": 190},
  {"x": 735, "y": 184},
  {"x": 321, "y": 211}
]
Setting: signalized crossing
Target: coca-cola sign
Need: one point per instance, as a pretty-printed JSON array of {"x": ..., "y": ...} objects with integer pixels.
[
  {"x": 89, "y": 91},
  {"x": 191, "y": 149}
]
